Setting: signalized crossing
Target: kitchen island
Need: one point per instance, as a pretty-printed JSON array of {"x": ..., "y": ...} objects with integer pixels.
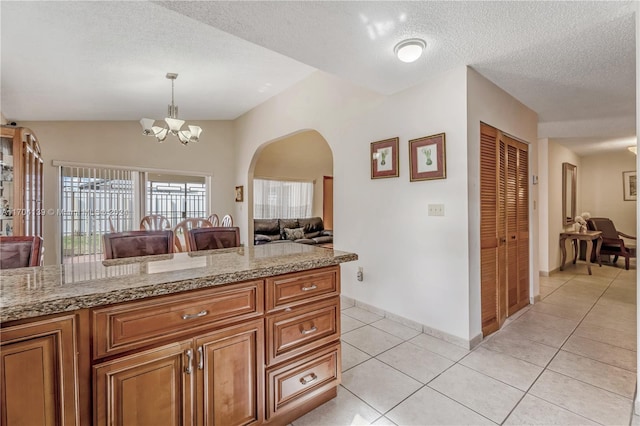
[{"x": 248, "y": 335}]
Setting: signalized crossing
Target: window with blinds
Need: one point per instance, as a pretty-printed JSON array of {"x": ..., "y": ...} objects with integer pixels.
[{"x": 93, "y": 201}]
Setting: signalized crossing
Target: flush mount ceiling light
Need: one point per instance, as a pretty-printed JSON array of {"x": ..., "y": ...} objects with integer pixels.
[
  {"x": 171, "y": 123},
  {"x": 409, "y": 50}
]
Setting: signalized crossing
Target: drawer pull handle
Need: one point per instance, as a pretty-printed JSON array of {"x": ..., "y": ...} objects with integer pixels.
[
  {"x": 188, "y": 368},
  {"x": 312, "y": 378},
  {"x": 309, "y": 331},
  {"x": 192, "y": 316},
  {"x": 311, "y": 287}
]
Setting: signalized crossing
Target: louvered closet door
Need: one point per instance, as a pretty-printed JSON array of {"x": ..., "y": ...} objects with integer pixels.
[
  {"x": 504, "y": 227},
  {"x": 517, "y": 224},
  {"x": 490, "y": 247}
]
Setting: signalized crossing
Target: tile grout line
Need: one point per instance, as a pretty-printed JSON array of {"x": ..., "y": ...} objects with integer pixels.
[{"x": 546, "y": 367}]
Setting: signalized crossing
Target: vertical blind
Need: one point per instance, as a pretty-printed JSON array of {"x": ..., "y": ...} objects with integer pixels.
[
  {"x": 93, "y": 201},
  {"x": 274, "y": 199}
]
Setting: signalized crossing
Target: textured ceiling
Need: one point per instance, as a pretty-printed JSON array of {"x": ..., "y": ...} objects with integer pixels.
[{"x": 571, "y": 62}]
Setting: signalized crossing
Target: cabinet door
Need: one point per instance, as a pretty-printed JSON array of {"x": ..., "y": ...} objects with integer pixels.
[
  {"x": 38, "y": 371},
  {"x": 231, "y": 376},
  {"x": 149, "y": 388}
]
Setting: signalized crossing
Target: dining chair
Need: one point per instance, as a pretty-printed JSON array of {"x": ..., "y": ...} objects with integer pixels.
[
  {"x": 227, "y": 221},
  {"x": 20, "y": 252},
  {"x": 182, "y": 229},
  {"x": 119, "y": 245},
  {"x": 214, "y": 238},
  {"x": 155, "y": 222},
  {"x": 215, "y": 221}
]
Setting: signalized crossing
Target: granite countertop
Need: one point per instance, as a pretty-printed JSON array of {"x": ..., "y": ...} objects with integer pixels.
[{"x": 44, "y": 290}]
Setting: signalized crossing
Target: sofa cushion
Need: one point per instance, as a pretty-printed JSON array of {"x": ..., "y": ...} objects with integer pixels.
[
  {"x": 266, "y": 226},
  {"x": 323, "y": 240},
  {"x": 311, "y": 224},
  {"x": 262, "y": 238},
  {"x": 305, "y": 241},
  {"x": 294, "y": 234},
  {"x": 287, "y": 223}
]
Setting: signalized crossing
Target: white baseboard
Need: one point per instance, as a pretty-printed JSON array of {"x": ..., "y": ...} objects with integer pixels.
[{"x": 467, "y": 344}]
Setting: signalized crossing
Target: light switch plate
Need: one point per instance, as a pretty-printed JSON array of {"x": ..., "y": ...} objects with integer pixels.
[{"x": 436, "y": 209}]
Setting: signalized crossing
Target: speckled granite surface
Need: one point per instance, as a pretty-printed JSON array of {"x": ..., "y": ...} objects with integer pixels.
[{"x": 31, "y": 292}]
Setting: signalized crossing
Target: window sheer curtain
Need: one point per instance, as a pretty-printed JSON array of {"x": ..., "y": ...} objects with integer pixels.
[{"x": 273, "y": 199}]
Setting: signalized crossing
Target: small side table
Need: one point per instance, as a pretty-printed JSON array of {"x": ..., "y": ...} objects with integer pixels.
[{"x": 588, "y": 236}]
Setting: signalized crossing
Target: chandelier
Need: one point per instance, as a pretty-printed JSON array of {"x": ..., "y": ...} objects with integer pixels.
[{"x": 171, "y": 123}]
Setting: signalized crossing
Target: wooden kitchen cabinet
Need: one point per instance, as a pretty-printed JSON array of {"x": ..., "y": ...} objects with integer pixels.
[
  {"x": 214, "y": 379},
  {"x": 230, "y": 371},
  {"x": 39, "y": 373},
  {"x": 147, "y": 388}
]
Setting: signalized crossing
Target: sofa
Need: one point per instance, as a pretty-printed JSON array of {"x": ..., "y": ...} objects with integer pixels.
[{"x": 304, "y": 231}]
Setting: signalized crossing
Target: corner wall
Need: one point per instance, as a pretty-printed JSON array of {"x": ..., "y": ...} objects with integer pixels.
[
  {"x": 415, "y": 266},
  {"x": 488, "y": 103},
  {"x": 121, "y": 143},
  {"x": 558, "y": 154}
]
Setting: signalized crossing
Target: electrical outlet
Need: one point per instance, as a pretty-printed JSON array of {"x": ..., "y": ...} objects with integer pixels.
[
  {"x": 436, "y": 209},
  {"x": 360, "y": 274}
]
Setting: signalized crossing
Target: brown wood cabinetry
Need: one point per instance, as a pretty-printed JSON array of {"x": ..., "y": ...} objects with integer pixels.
[
  {"x": 204, "y": 357},
  {"x": 214, "y": 379},
  {"x": 39, "y": 374},
  {"x": 148, "y": 388},
  {"x": 20, "y": 182},
  {"x": 303, "y": 342},
  {"x": 132, "y": 325}
]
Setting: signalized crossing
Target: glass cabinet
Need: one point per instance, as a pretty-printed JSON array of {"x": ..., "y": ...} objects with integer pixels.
[{"x": 20, "y": 182}]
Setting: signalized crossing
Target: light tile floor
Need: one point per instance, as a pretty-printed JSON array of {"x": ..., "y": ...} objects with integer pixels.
[{"x": 570, "y": 359}]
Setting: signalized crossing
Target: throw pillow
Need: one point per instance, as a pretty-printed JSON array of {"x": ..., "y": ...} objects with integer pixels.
[{"x": 294, "y": 234}]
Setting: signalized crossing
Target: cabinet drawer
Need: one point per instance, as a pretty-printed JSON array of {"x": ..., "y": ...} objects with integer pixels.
[
  {"x": 302, "y": 328},
  {"x": 303, "y": 379},
  {"x": 133, "y": 325},
  {"x": 302, "y": 287}
]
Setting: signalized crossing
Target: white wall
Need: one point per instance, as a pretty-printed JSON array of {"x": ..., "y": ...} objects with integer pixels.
[
  {"x": 601, "y": 191},
  {"x": 487, "y": 103},
  {"x": 415, "y": 266},
  {"x": 303, "y": 156},
  {"x": 543, "y": 205},
  {"x": 558, "y": 154},
  {"x": 122, "y": 143}
]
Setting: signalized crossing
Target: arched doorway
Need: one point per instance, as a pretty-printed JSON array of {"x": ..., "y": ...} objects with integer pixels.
[{"x": 304, "y": 156}]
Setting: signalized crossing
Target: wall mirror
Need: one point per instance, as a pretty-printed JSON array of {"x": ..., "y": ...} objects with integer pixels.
[{"x": 569, "y": 175}]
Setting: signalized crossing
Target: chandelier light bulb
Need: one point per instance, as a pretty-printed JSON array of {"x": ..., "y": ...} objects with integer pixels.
[{"x": 410, "y": 50}]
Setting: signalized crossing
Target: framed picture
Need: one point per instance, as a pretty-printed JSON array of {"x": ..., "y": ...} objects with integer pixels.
[
  {"x": 630, "y": 186},
  {"x": 239, "y": 194},
  {"x": 427, "y": 157},
  {"x": 384, "y": 159}
]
